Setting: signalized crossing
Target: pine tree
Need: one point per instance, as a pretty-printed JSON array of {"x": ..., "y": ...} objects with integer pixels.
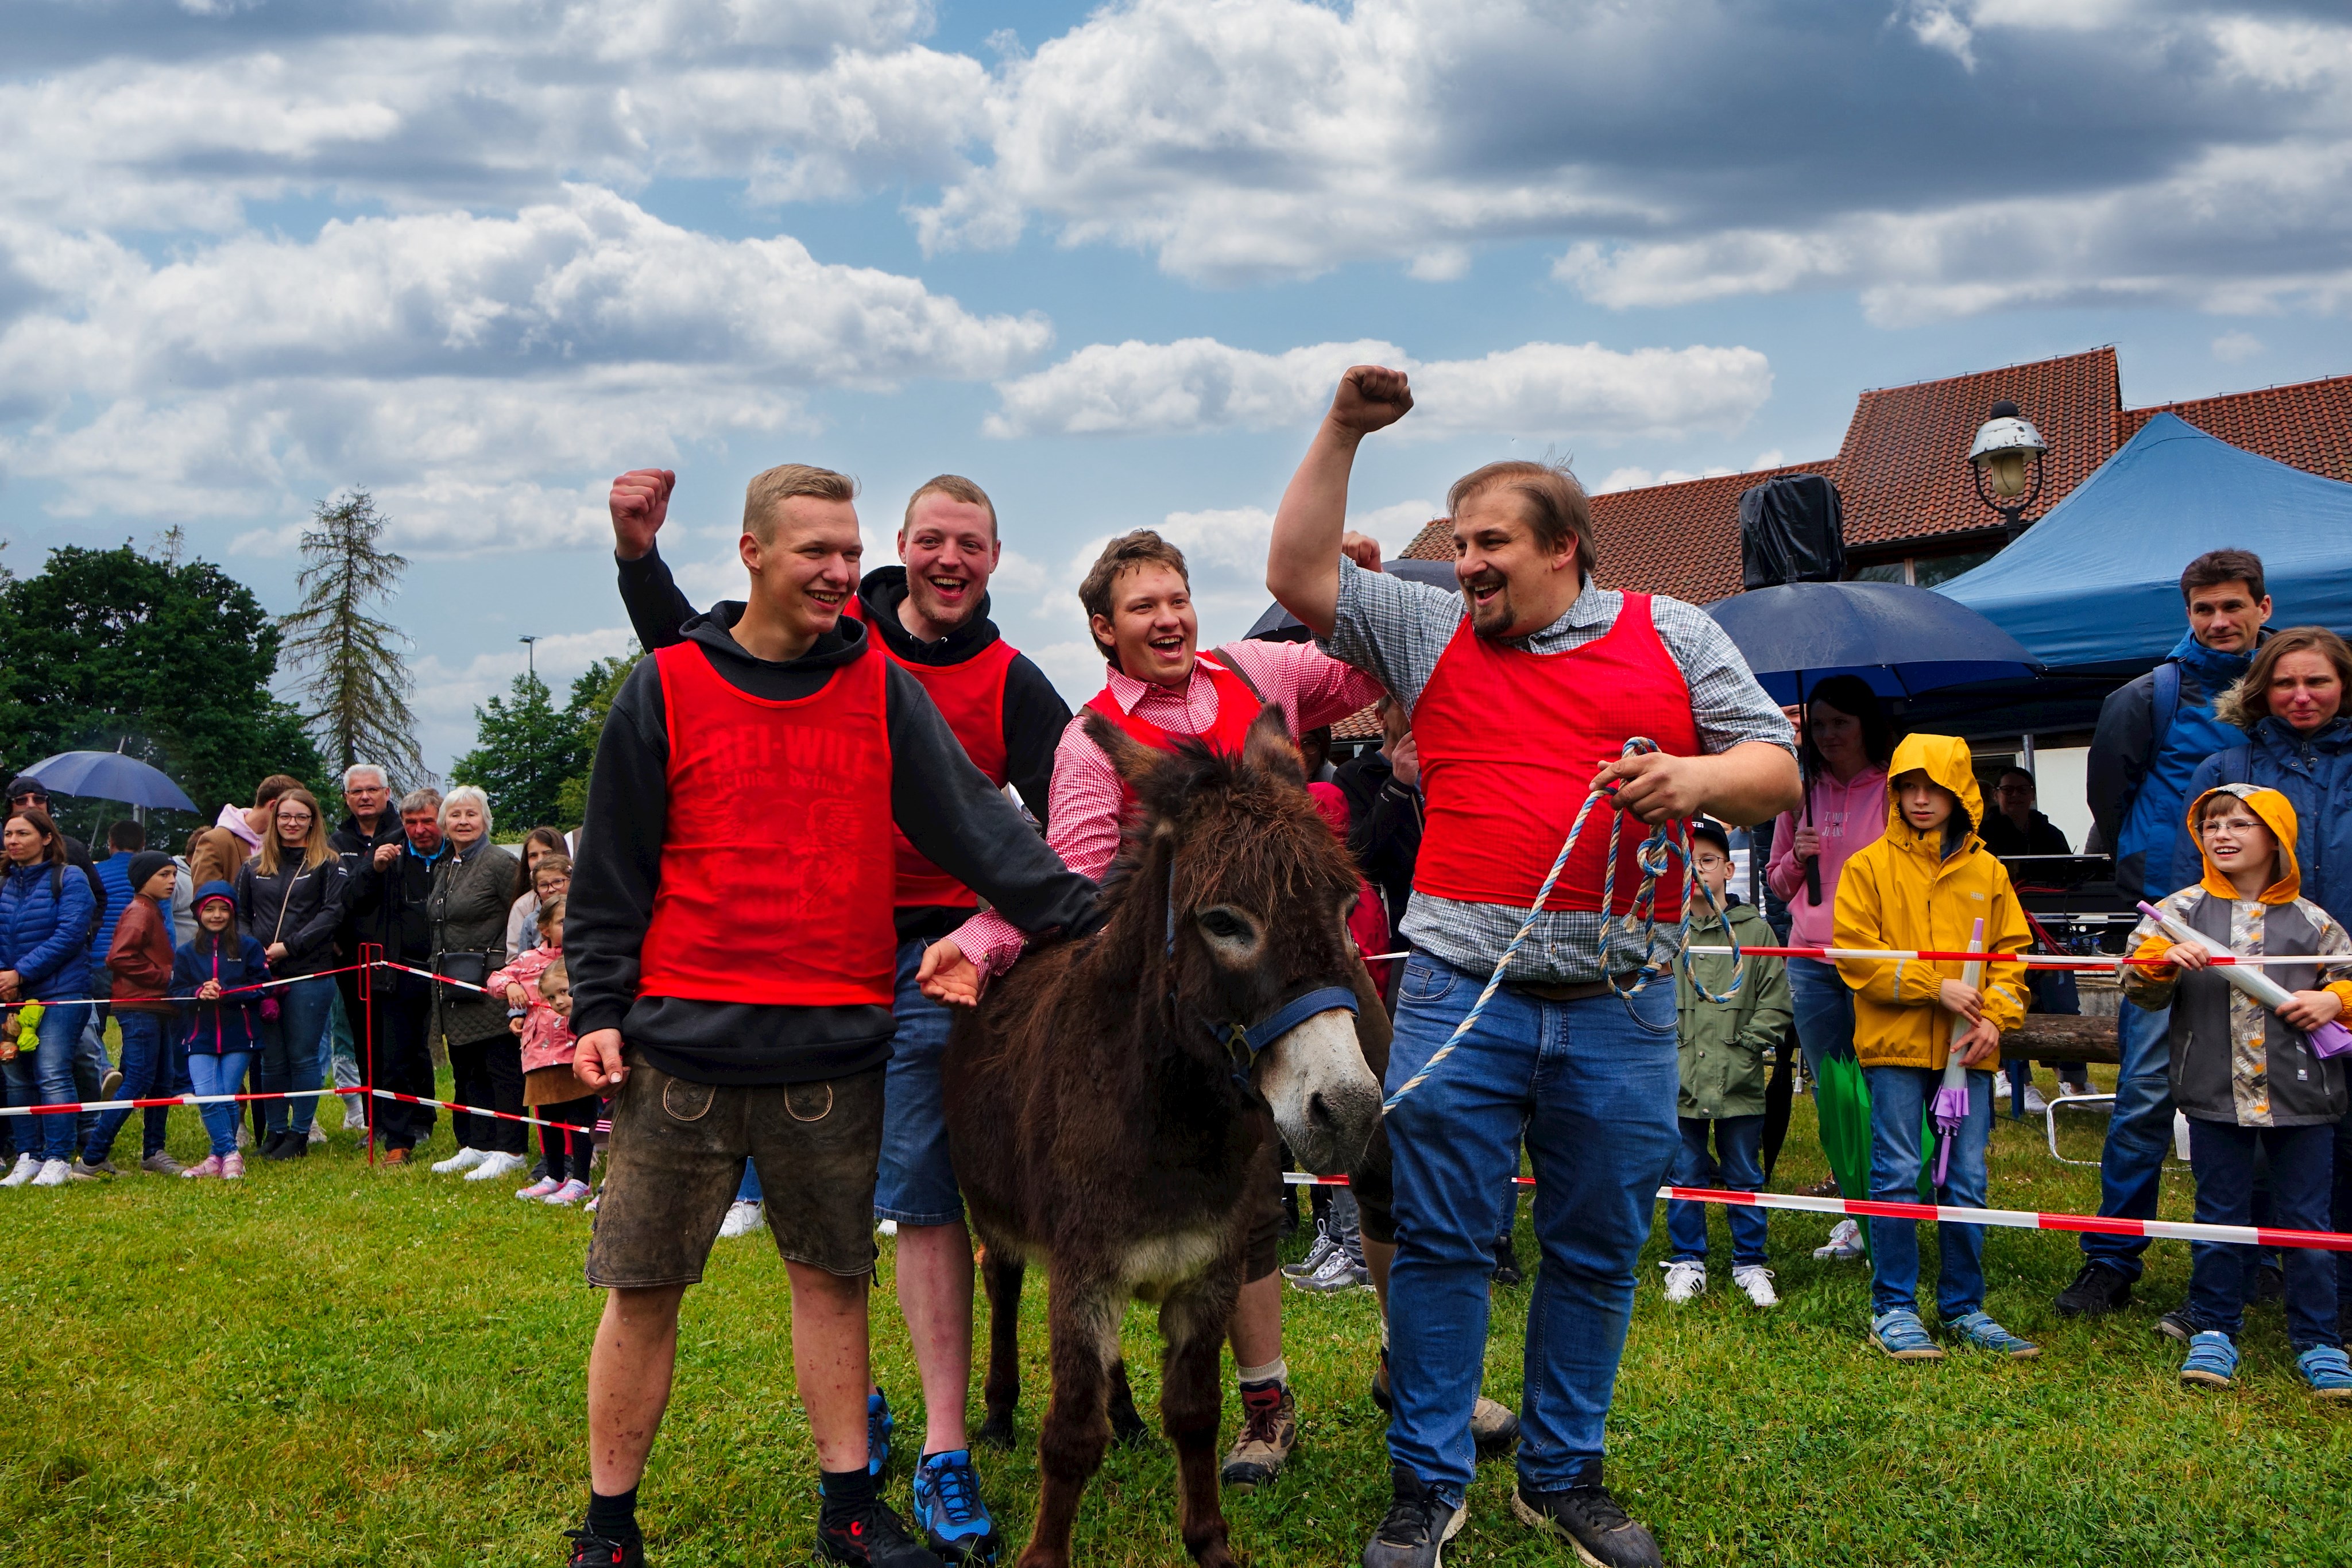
[
  {"x": 356, "y": 682},
  {"x": 524, "y": 749}
]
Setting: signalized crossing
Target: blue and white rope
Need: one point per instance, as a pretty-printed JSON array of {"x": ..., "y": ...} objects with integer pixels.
[{"x": 1653, "y": 857}]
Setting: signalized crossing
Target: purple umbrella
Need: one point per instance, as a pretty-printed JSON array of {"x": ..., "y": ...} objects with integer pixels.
[{"x": 1951, "y": 1104}]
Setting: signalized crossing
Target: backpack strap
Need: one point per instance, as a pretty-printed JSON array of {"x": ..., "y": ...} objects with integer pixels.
[
  {"x": 1223, "y": 655},
  {"x": 2167, "y": 702}
]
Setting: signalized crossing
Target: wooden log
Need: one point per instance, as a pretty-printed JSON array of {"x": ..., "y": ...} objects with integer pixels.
[{"x": 2062, "y": 1036}]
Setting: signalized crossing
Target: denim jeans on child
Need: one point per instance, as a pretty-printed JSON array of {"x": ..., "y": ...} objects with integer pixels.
[
  {"x": 2221, "y": 1275},
  {"x": 2139, "y": 1134},
  {"x": 290, "y": 1052},
  {"x": 1737, "y": 1165},
  {"x": 46, "y": 1077},
  {"x": 1899, "y": 1097},
  {"x": 1594, "y": 1080},
  {"x": 1824, "y": 1009},
  {"x": 221, "y": 1074},
  {"x": 147, "y": 1069}
]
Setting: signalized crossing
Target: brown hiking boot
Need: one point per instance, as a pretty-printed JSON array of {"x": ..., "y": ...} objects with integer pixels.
[
  {"x": 1269, "y": 1431},
  {"x": 1493, "y": 1430}
]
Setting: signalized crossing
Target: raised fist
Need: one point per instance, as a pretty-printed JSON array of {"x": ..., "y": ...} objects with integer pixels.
[
  {"x": 640, "y": 505},
  {"x": 1371, "y": 398}
]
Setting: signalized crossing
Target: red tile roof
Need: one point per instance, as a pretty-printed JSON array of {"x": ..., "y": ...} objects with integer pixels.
[
  {"x": 2307, "y": 426},
  {"x": 1903, "y": 473}
]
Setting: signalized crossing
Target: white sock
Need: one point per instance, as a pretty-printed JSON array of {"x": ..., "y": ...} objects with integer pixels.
[{"x": 1274, "y": 1370}]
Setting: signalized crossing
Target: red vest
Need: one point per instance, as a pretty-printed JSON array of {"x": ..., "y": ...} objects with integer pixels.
[
  {"x": 1237, "y": 709},
  {"x": 971, "y": 698},
  {"x": 1510, "y": 742},
  {"x": 775, "y": 874}
]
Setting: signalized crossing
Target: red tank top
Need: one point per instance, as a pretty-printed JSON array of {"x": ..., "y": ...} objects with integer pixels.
[
  {"x": 776, "y": 870},
  {"x": 1510, "y": 742},
  {"x": 1237, "y": 709}
]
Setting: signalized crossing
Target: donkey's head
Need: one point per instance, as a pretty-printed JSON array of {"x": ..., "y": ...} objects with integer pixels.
[{"x": 1236, "y": 891}]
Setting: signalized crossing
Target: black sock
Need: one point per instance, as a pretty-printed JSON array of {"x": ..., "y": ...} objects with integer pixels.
[
  {"x": 843, "y": 1493},
  {"x": 614, "y": 1518}
]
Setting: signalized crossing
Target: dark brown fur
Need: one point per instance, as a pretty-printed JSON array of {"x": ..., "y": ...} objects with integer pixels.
[{"x": 1090, "y": 1109}]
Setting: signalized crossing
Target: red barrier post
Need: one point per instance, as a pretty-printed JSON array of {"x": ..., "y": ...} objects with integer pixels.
[{"x": 371, "y": 952}]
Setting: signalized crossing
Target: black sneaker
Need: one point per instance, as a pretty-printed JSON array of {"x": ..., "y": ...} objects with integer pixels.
[
  {"x": 1507, "y": 1263},
  {"x": 2096, "y": 1290},
  {"x": 1419, "y": 1524},
  {"x": 2179, "y": 1324},
  {"x": 276, "y": 1149},
  {"x": 590, "y": 1550},
  {"x": 1589, "y": 1519},
  {"x": 872, "y": 1538}
]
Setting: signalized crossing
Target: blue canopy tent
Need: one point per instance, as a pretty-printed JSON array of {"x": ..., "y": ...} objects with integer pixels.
[{"x": 2094, "y": 586}]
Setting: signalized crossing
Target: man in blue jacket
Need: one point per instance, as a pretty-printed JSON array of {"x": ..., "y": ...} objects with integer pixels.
[{"x": 2153, "y": 732}]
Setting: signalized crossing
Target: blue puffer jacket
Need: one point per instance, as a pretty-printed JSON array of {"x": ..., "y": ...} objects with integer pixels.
[
  {"x": 2312, "y": 770},
  {"x": 45, "y": 913},
  {"x": 2149, "y": 837}
]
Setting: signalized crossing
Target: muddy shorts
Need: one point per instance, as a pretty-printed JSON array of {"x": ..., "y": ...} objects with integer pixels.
[{"x": 676, "y": 1158}]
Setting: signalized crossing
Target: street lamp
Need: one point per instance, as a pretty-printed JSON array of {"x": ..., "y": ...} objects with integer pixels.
[
  {"x": 2005, "y": 442},
  {"x": 530, "y": 654}
]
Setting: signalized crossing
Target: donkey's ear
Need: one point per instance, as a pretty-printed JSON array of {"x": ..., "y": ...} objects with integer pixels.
[
  {"x": 1134, "y": 761},
  {"x": 1268, "y": 747}
]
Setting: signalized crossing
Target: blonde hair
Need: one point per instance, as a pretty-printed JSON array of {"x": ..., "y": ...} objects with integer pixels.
[
  {"x": 316, "y": 850},
  {"x": 549, "y": 976},
  {"x": 956, "y": 487},
  {"x": 768, "y": 491}
]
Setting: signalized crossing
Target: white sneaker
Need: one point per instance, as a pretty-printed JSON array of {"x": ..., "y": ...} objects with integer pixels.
[
  {"x": 463, "y": 1160},
  {"x": 1846, "y": 1242},
  {"x": 886, "y": 1228},
  {"x": 318, "y": 1134},
  {"x": 2034, "y": 1103},
  {"x": 493, "y": 1166},
  {"x": 2001, "y": 1084},
  {"x": 27, "y": 1166},
  {"x": 1756, "y": 1280},
  {"x": 564, "y": 1196},
  {"x": 742, "y": 1218},
  {"x": 1684, "y": 1280},
  {"x": 355, "y": 1117},
  {"x": 537, "y": 1189},
  {"x": 54, "y": 1173}
]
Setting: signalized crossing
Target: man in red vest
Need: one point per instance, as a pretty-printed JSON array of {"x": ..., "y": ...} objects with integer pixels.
[
  {"x": 1523, "y": 690},
  {"x": 733, "y": 956},
  {"x": 930, "y": 617},
  {"x": 1159, "y": 688}
]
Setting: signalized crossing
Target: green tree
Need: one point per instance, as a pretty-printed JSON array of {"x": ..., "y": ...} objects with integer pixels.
[
  {"x": 591, "y": 698},
  {"x": 523, "y": 751},
  {"x": 171, "y": 662},
  {"x": 355, "y": 683}
]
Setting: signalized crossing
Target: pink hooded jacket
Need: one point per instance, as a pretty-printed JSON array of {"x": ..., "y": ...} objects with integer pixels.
[
  {"x": 1848, "y": 817},
  {"x": 547, "y": 1039}
]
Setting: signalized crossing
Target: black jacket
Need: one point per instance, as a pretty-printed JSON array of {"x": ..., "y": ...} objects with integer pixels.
[
  {"x": 355, "y": 848},
  {"x": 299, "y": 905},
  {"x": 939, "y": 800},
  {"x": 2039, "y": 837},
  {"x": 391, "y": 904},
  {"x": 1384, "y": 821},
  {"x": 1035, "y": 714}
]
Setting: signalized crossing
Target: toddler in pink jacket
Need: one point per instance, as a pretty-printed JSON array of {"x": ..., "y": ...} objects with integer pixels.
[{"x": 549, "y": 1089}]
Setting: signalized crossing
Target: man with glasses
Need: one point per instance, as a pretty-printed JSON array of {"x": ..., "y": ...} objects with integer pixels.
[{"x": 369, "y": 825}]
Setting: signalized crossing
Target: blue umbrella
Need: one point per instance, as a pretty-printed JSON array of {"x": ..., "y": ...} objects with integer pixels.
[
  {"x": 1902, "y": 641},
  {"x": 1279, "y": 625},
  {"x": 109, "y": 776}
]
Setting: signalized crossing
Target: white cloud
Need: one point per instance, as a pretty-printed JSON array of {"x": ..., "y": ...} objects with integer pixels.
[
  {"x": 1536, "y": 389},
  {"x": 1396, "y": 524},
  {"x": 2234, "y": 348}
]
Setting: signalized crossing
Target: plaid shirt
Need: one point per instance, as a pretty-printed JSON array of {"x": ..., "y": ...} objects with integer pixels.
[
  {"x": 1397, "y": 629},
  {"x": 1310, "y": 687}
]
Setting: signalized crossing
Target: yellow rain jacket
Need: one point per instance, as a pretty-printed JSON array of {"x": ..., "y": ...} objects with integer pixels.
[{"x": 1901, "y": 892}]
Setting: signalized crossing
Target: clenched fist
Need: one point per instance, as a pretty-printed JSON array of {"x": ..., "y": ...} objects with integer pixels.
[
  {"x": 640, "y": 505},
  {"x": 1371, "y": 398}
]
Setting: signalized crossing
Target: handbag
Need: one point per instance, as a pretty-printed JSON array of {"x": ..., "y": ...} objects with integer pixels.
[{"x": 467, "y": 968}]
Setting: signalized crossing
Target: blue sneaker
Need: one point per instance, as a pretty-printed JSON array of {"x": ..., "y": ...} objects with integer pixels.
[
  {"x": 2327, "y": 1370},
  {"x": 1986, "y": 1334},
  {"x": 879, "y": 1425},
  {"x": 948, "y": 1507},
  {"x": 1902, "y": 1335},
  {"x": 2213, "y": 1360}
]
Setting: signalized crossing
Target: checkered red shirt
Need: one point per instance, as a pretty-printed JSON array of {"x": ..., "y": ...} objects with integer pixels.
[{"x": 1310, "y": 687}]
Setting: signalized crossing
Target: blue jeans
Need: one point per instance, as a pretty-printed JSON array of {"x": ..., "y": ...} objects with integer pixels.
[
  {"x": 2301, "y": 1175},
  {"x": 1594, "y": 1080},
  {"x": 1825, "y": 1007},
  {"x": 221, "y": 1074},
  {"x": 1899, "y": 1098},
  {"x": 2139, "y": 1134},
  {"x": 291, "y": 1046},
  {"x": 747, "y": 1189},
  {"x": 148, "y": 1069},
  {"x": 916, "y": 1182},
  {"x": 46, "y": 1078},
  {"x": 1737, "y": 1165}
]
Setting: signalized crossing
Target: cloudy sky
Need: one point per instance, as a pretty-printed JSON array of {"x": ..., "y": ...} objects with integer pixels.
[{"x": 480, "y": 255}]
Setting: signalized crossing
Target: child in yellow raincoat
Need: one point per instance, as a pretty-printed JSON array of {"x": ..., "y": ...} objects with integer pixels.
[{"x": 1921, "y": 888}]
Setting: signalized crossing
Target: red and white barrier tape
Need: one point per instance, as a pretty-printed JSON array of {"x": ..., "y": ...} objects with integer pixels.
[
  {"x": 2031, "y": 960},
  {"x": 475, "y": 1110},
  {"x": 76, "y": 1107},
  {"x": 2008, "y": 1218}
]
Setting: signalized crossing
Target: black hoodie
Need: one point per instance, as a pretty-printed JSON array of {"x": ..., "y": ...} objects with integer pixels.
[
  {"x": 939, "y": 800},
  {"x": 1035, "y": 714}
]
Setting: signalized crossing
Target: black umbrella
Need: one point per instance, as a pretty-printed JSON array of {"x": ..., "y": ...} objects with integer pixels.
[
  {"x": 1279, "y": 625},
  {"x": 1902, "y": 641}
]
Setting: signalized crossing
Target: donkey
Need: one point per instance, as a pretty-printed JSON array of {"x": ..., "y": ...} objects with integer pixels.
[{"x": 1112, "y": 1104}]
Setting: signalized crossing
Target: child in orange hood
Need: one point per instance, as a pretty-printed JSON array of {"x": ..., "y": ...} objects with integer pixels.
[
  {"x": 1922, "y": 886},
  {"x": 2247, "y": 1078}
]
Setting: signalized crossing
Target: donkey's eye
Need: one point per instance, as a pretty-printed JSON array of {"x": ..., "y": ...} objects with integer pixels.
[{"x": 1224, "y": 924}]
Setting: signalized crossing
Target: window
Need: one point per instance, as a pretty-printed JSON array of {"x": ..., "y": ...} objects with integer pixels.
[{"x": 1922, "y": 571}]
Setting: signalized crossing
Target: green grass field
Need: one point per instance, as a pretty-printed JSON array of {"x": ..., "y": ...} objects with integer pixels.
[{"x": 323, "y": 1365}]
